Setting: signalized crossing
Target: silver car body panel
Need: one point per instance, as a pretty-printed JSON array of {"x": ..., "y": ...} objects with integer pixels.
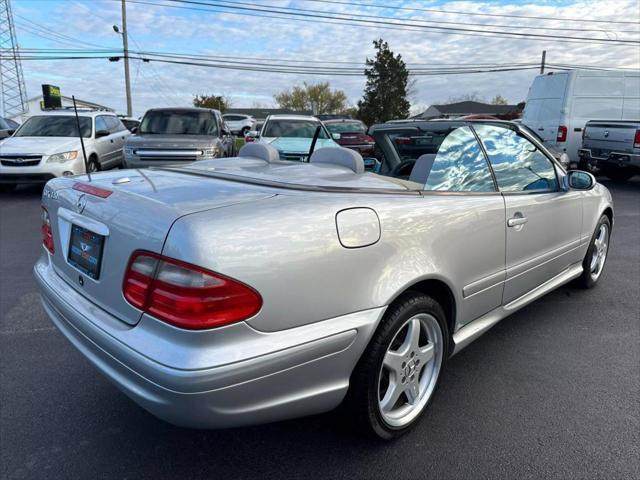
[{"x": 292, "y": 232}]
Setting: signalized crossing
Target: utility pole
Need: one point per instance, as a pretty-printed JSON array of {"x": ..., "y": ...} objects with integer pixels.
[
  {"x": 13, "y": 95},
  {"x": 544, "y": 57},
  {"x": 125, "y": 46}
]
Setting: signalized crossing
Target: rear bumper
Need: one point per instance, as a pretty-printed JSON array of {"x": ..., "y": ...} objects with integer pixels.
[
  {"x": 613, "y": 159},
  {"x": 268, "y": 377}
]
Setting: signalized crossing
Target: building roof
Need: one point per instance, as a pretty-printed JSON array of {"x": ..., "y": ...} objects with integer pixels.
[
  {"x": 467, "y": 108},
  {"x": 265, "y": 112},
  {"x": 69, "y": 99}
]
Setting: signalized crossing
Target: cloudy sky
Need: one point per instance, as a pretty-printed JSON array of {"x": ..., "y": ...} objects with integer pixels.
[{"x": 196, "y": 29}]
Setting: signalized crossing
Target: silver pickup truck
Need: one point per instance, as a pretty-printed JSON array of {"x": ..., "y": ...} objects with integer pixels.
[{"x": 612, "y": 146}]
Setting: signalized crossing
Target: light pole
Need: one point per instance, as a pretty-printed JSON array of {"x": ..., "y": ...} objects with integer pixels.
[{"x": 125, "y": 48}]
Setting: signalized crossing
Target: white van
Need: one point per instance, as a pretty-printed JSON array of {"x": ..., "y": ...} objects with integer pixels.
[{"x": 559, "y": 104}]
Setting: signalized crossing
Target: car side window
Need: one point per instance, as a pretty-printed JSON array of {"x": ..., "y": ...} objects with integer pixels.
[
  {"x": 519, "y": 166},
  {"x": 101, "y": 123},
  {"x": 459, "y": 165}
]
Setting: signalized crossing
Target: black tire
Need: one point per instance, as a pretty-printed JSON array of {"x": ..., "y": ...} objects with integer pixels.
[
  {"x": 619, "y": 174},
  {"x": 244, "y": 131},
  {"x": 7, "y": 187},
  {"x": 362, "y": 403},
  {"x": 587, "y": 279},
  {"x": 93, "y": 164}
]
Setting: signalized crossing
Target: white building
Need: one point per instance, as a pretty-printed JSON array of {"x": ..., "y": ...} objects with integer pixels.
[{"x": 35, "y": 105}]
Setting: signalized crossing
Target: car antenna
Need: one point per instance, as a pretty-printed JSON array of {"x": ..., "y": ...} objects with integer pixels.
[
  {"x": 84, "y": 153},
  {"x": 313, "y": 142}
]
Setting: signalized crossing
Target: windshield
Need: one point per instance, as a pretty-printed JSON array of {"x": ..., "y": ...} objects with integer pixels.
[
  {"x": 293, "y": 129},
  {"x": 346, "y": 127},
  {"x": 54, "y": 126},
  {"x": 175, "y": 122}
]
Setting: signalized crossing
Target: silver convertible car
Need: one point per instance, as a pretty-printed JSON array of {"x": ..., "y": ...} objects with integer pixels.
[{"x": 247, "y": 290}]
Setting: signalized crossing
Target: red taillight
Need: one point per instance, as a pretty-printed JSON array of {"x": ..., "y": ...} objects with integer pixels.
[
  {"x": 185, "y": 295},
  {"x": 47, "y": 234},
  {"x": 404, "y": 140},
  {"x": 248, "y": 139},
  {"x": 562, "y": 134},
  {"x": 92, "y": 190},
  {"x": 636, "y": 139}
]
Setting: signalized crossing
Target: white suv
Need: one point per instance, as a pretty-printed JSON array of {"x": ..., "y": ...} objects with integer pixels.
[
  {"x": 47, "y": 145},
  {"x": 239, "y": 124}
]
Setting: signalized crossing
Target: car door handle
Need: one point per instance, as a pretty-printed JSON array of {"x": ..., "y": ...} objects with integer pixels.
[
  {"x": 111, "y": 140},
  {"x": 517, "y": 220},
  {"x": 541, "y": 129}
]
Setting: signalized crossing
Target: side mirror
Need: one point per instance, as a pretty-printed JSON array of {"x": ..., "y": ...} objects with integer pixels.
[
  {"x": 335, "y": 136},
  {"x": 579, "y": 180},
  {"x": 102, "y": 133},
  {"x": 10, "y": 132}
]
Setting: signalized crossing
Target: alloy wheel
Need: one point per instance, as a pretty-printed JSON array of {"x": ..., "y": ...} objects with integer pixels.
[
  {"x": 599, "y": 255},
  {"x": 410, "y": 370}
]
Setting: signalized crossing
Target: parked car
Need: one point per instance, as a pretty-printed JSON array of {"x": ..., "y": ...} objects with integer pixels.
[
  {"x": 239, "y": 124},
  {"x": 292, "y": 135},
  {"x": 132, "y": 124},
  {"x": 352, "y": 134},
  {"x": 248, "y": 290},
  {"x": 7, "y": 127},
  {"x": 48, "y": 145},
  {"x": 178, "y": 135},
  {"x": 613, "y": 147},
  {"x": 559, "y": 104}
]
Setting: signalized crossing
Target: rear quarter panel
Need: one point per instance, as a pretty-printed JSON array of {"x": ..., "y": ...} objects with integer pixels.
[{"x": 287, "y": 248}]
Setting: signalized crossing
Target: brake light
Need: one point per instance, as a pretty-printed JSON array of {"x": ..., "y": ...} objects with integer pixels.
[
  {"x": 404, "y": 140},
  {"x": 562, "y": 134},
  {"x": 636, "y": 139},
  {"x": 47, "y": 233},
  {"x": 92, "y": 190},
  {"x": 185, "y": 295},
  {"x": 248, "y": 139}
]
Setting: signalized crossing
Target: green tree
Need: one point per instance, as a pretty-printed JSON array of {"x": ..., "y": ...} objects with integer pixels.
[
  {"x": 218, "y": 102},
  {"x": 319, "y": 98},
  {"x": 385, "y": 94},
  {"x": 499, "y": 100}
]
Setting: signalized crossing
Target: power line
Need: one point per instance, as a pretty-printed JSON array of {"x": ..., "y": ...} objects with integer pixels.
[
  {"x": 384, "y": 25},
  {"x": 380, "y": 20},
  {"x": 475, "y": 14}
]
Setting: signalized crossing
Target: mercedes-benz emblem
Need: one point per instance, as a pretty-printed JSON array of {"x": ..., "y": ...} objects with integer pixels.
[{"x": 81, "y": 203}]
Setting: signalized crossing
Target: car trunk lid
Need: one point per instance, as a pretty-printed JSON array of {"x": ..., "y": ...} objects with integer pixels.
[{"x": 137, "y": 212}]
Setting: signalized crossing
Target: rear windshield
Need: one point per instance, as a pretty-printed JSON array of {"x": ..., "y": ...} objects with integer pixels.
[
  {"x": 54, "y": 126},
  {"x": 346, "y": 127},
  {"x": 292, "y": 129},
  {"x": 173, "y": 122}
]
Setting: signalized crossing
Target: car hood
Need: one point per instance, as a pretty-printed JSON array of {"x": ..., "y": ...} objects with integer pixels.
[
  {"x": 39, "y": 145},
  {"x": 170, "y": 141},
  {"x": 298, "y": 145}
]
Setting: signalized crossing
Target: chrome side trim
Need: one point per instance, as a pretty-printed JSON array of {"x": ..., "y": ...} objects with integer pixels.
[{"x": 476, "y": 328}]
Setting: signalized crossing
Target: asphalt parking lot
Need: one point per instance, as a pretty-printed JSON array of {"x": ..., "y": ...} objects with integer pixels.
[{"x": 551, "y": 392}]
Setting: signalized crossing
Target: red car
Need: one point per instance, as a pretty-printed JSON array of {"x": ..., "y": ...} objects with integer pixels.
[{"x": 353, "y": 135}]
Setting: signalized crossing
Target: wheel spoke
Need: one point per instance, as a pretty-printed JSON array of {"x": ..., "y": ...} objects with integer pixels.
[
  {"x": 413, "y": 391},
  {"x": 394, "y": 390},
  {"x": 393, "y": 362},
  {"x": 425, "y": 354}
]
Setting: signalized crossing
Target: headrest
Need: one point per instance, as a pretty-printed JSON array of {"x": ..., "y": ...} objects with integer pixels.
[
  {"x": 339, "y": 156},
  {"x": 263, "y": 151},
  {"x": 422, "y": 168}
]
